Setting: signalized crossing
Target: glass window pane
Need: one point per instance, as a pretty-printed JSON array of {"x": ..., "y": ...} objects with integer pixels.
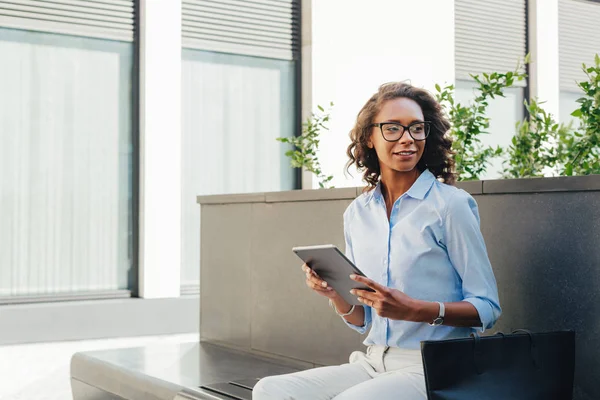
[
  {"x": 233, "y": 109},
  {"x": 65, "y": 163},
  {"x": 568, "y": 104}
]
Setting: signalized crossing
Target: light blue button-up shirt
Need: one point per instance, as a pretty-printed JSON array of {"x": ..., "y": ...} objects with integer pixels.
[{"x": 431, "y": 248}]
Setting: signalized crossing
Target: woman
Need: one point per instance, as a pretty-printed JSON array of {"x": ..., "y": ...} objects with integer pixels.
[{"x": 417, "y": 238}]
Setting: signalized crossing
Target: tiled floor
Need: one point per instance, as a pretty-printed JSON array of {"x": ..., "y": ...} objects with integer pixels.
[{"x": 41, "y": 371}]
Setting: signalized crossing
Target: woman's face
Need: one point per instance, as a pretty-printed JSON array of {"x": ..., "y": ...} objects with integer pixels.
[{"x": 404, "y": 154}]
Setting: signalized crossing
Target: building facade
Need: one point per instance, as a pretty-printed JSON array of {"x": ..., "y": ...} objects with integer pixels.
[{"x": 116, "y": 114}]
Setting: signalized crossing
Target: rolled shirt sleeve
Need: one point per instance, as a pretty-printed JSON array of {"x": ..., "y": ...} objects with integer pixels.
[{"x": 468, "y": 254}]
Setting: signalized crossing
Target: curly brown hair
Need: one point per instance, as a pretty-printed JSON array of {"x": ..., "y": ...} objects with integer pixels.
[{"x": 438, "y": 156}]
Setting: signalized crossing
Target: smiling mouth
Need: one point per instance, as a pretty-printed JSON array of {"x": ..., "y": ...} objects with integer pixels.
[{"x": 404, "y": 153}]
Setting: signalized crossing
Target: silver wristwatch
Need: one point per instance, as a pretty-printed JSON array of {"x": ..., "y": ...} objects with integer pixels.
[{"x": 440, "y": 318}]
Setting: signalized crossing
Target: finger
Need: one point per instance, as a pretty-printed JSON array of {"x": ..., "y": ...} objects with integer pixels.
[
  {"x": 365, "y": 294},
  {"x": 317, "y": 280},
  {"x": 369, "y": 282},
  {"x": 317, "y": 287},
  {"x": 309, "y": 270},
  {"x": 370, "y": 303}
]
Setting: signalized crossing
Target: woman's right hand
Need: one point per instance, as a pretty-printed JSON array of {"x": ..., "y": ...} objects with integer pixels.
[{"x": 318, "y": 285}]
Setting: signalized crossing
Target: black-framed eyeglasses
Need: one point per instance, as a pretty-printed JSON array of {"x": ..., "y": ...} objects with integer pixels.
[{"x": 393, "y": 131}]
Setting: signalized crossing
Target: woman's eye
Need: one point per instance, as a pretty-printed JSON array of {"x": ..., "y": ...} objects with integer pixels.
[{"x": 419, "y": 128}]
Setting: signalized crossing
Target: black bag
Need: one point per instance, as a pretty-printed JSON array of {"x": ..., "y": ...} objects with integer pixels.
[{"x": 519, "y": 366}]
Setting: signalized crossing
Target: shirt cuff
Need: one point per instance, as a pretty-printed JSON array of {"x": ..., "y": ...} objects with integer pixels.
[
  {"x": 361, "y": 329},
  {"x": 484, "y": 309}
]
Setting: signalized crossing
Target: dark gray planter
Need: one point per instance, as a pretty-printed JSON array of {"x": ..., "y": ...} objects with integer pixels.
[{"x": 543, "y": 238}]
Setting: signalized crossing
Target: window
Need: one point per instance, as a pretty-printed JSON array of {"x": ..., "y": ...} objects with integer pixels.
[
  {"x": 233, "y": 109},
  {"x": 491, "y": 37},
  {"x": 65, "y": 163},
  {"x": 578, "y": 42},
  {"x": 239, "y": 95}
]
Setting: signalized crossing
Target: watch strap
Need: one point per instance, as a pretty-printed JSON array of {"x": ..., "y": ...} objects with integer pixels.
[{"x": 440, "y": 318}]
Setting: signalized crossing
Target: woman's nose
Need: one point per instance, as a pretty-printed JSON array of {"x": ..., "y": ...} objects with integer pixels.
[{"x": 406, "y": 138}]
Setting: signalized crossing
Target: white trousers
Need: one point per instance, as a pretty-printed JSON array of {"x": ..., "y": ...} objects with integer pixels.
[{"x": 380, "y": 374}]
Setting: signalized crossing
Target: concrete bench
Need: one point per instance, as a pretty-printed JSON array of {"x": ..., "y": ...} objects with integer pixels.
[{"x": 171, "y": 371}]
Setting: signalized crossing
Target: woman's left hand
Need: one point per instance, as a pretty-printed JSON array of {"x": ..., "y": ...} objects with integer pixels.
[{"x": 387, "y": 302}]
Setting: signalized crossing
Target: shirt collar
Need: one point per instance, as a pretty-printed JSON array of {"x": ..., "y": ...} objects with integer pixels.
[{"x": 417, "y": 191}]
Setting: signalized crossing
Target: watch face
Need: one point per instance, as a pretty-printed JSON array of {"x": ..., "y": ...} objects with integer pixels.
[{"x": 438, "y": 321}]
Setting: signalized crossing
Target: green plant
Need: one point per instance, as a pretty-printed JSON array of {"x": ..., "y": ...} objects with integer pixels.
[
  {"x": 470, "y": 122},
  {"x": 537, "y": 145},
  {"x": 583, "y": 157},
  {"x": 543, "y": 146},
  {"x": 306, "y": 146}
]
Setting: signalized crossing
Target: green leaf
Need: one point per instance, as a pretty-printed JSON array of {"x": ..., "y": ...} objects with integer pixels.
[
  {"x": 306, "y": 146},
  {"x": 569, "y": 170},
  {"x": 438, "y": 88},
  {"x": 576, "y": 113}
]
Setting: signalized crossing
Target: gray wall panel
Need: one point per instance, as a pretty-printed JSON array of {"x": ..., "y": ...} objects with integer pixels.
[
  {"x": 546, "y": 257},
  {"x": 283, "y": 306},
  {"x": 225, "y": 290}
]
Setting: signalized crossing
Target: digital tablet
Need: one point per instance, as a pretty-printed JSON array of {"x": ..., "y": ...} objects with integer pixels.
[{"x": 334, "y": 268}]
